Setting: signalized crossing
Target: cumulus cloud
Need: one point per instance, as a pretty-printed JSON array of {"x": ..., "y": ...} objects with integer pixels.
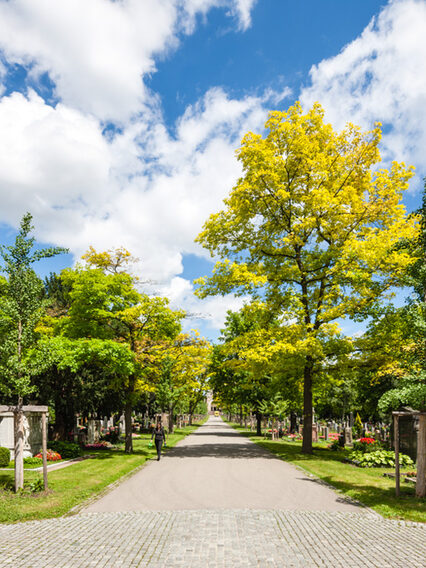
[
  {"x": 211, "y": 310},
  {"x": 144, "y": 188},
  {"x": 381, "y": 76},
  {"x": 98, "y": 52}
]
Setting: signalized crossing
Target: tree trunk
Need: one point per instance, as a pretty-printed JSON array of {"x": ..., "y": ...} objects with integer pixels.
[
  {"x": 258, "y": 423},
  {"x": 19, "y": 446},
  {"x": 292, "y": 422},
  {"x": 128, "y": 428},
  {"x": 421, "y": 458},
  {"x": 241, "y": 415},
  {"x": 171, "y": 423},
  {"x": 307, "y": 407}
]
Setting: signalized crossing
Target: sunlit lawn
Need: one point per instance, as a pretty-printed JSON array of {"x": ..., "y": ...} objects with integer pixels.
[
  {"x": 366, "y": 485},
  {"x": 71, "y": 486}
]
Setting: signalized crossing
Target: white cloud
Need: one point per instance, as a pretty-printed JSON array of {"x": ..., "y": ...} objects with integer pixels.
[
  {"x": 210, "y": 311},
  {"x": 49, "y": 158},
  {"x": 143, "y": 189},
  {"x": 238, "y": 9},
  {"x": 381, "y": 76},
  {"x": 98, "y": 52}
]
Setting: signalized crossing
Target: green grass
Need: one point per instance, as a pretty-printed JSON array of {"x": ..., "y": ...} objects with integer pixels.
[
  {"x": 366, "y": 485},
  {"x": 71, "y": 486}
]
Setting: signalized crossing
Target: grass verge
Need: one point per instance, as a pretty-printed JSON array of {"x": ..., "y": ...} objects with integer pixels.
[
  {"x": 72, "y": 485},
  {"x": 366, "y": 485}
]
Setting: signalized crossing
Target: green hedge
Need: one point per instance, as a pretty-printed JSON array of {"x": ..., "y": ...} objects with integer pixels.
[
  {"x": 4, "y": 457},
  {"x": 66, "y": 449}
]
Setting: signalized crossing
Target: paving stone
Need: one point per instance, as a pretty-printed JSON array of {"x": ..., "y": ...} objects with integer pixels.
[{"x": 214, "y": 538}]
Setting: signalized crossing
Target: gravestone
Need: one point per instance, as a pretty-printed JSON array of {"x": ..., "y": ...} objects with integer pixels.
[
  {"x": 325, "y": 430},
  {"x": 314, "y": 433},
  {"x": 348, "y": 436},
  {"x": 32, "y": 433},
  {"x": 93, "y": 431}
]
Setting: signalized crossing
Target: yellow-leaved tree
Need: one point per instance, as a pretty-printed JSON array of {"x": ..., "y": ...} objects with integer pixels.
[{"x": 310, "y": 228}]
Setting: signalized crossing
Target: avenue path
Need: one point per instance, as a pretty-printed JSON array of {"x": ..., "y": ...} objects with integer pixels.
[
  {"x": 218, "y": 468},
  {"x": 217, "y": 500}
]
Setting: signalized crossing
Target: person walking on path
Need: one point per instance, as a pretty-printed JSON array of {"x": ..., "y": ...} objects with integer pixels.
[{"x": 159, "y": 436}]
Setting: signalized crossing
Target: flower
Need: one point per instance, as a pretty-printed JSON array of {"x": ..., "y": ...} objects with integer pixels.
[{"x": 51, "y": 455}]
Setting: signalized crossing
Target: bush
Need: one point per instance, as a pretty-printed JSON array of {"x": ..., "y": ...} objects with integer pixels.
[
  {"x": 111, "y": 435},
  {"x": 379, "y": 458},
  {"x": 33, "y": 461},
  {"x": 4, "y": 457},
  {"x": 335, "y": 446},
  {"x": 51, "y": 456},
  {"x": 98, "y": 446},
  {"x": 366, "y": 445},
  {"x": 37, "y": 485},
  {"x": 66, "y": 449}
]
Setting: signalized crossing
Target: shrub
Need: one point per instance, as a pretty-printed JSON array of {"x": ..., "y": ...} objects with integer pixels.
[
  {"x": 4, "y": 457},
  {"x": 33, "y": 461},
  {"x": 111, "y": 435},
  {"x": 66, "y": 449},
  {"x": 37, "y": 485},
  {"x": 51, "y": 456},
  {"x": 366, "y": 445},
  {"x": 99, "y": 446},
  {"x": 335, "y": 446},
  {"x": 379, "y": 458}
]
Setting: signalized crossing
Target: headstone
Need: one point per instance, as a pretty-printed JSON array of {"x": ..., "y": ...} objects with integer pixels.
[
  {"x": 348, "y": 435},
  {"x": 32, "y": 433},
  {"x": 314, "y": 433},
  {"x": 325, "y": 433}
]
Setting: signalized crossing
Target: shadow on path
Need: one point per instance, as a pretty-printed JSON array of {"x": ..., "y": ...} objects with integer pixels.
[{"x": 232, "y": 451}]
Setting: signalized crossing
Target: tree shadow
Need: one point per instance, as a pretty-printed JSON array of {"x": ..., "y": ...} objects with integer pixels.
[{"x": 228, "y": 451}]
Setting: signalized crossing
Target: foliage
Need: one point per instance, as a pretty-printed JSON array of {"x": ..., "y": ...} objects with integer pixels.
[
  {"x": 311, "y": 229},
  {"x": 98, "y": 446},
  {"x": 335, "y": 446},
  {"x": 21, "y": 307},
  {"x": 33, "y": 461},
  {"x": 366, "y": 445},
  {"x": 51, "y": 455},
  {"x": 37, "y": 485},
  {"x": 66, "y": 449},
  {"x": 111, "y": 435},
  {"x": 4, "y": 457},
  {"x": 378, "y": 458},
  {"x": 106, "y": 306}
]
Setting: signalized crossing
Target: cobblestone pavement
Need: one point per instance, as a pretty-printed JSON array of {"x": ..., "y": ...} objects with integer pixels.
[{"x": 214, "y": 538}]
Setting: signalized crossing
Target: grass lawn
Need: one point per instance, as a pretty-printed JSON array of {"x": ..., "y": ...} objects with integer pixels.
[
  {"x": 363, "y": 484},
  {"x": 72, "y": 485}
]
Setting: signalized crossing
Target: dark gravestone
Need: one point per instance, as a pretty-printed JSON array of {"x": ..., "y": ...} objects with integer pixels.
[{"x": 408, "y": 428}]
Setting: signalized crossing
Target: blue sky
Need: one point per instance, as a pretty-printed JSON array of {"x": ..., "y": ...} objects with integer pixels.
[{"x": 119, "y": 120}]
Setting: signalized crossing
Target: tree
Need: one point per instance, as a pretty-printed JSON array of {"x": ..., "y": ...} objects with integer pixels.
[
  {"x": 184, "y": 373},
  {"x": 311, "y": 229},
  {"x": 105, "y": 304},
  {"x": 21, "y": 308},
  {"x": 411, "y": 388}
]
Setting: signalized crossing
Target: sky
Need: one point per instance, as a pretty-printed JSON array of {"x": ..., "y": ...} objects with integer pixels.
[{"x": 119, "y": 119}]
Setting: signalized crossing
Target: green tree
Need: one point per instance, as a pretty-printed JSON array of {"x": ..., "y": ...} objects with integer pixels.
[
  {"x": 311, "y": 228},
  {"x": 21, "y": 309},
  {"x": 106, "y": 305}
]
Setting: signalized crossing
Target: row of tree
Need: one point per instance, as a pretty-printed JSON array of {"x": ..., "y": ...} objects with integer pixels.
[
  {"x": 89, "y": 341},
  {"x": 312, "y": 233}
]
